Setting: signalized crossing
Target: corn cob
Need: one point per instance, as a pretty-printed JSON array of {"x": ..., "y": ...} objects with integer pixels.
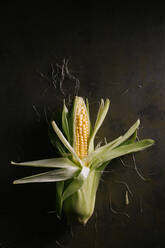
[
  {"x": 81, "y": 132},
  {"x": 81, "y": 129},
  {"x": 81, "y": 165}
]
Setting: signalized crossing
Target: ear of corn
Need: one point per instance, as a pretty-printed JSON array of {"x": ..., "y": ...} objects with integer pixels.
[
  {"x": 81, "y": 166},
  {"x": 81, "y": 127}
]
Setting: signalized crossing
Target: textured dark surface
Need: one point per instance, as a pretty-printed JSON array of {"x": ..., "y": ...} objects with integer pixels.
[{"x": 117, "y": 52}]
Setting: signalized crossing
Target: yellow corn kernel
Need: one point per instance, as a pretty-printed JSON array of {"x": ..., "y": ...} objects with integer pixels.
[{"x": 81, "y": 131}]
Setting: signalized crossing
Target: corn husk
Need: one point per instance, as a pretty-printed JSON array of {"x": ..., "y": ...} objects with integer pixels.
[{"x": 77, "y": 179}]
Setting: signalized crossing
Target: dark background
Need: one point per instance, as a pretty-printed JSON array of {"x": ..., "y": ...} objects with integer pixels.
[{"x": 117, "y": 51}]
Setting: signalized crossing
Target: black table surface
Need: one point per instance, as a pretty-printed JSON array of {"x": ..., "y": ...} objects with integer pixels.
[{"x": 117, "y": 51}]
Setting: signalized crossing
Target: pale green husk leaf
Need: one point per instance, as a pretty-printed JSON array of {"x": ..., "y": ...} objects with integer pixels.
[
  {"x": 61, "y": 149},
  {"x": 49, "y": 163},
  {"x": 81, "y": 204},
  {"x": 77, "y": 183},
  {"x": 59, "y": 191},
  {"x": 120, "y": 151},
  {"x": 99, "y": 120},
  {"x": 65, "y": 125},
  {"x": 131, "y": 133},
  {"x": 65, "y": 142},
  {"x": 121, "y": 139},
  {"x": 71, "y": 188},
  {"x": 50, "y": 176}
]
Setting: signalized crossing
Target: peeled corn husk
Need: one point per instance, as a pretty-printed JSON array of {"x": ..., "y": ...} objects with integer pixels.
[{"x": 81, "y": 165}]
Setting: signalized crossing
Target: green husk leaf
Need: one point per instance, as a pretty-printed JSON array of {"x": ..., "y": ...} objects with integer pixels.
[
  {"x": 50, "y": 176},
  {"x": 131, "y": 139},
  {"x": 121, "y": 151},
  {"x": 57, "y": 144},
  {"x": 61, "y": 149},
  {"x": 126, "y": 149},
  {"x": 76, "y": 184},
  {"x": 59, "y": 191},
  {"x": 81, "y": 204},
  {"x": 65, "y": 125},
  {"x": 66, "y": 143},
  {"x": 128, "y": 134},
  {"x": 131, "y": 133},
  {"x": 49, "y": 163},
  {"x": 87, "y": 106},
  {"x": 99, "y": 120},
  {"x": 99, "y": 150}
]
